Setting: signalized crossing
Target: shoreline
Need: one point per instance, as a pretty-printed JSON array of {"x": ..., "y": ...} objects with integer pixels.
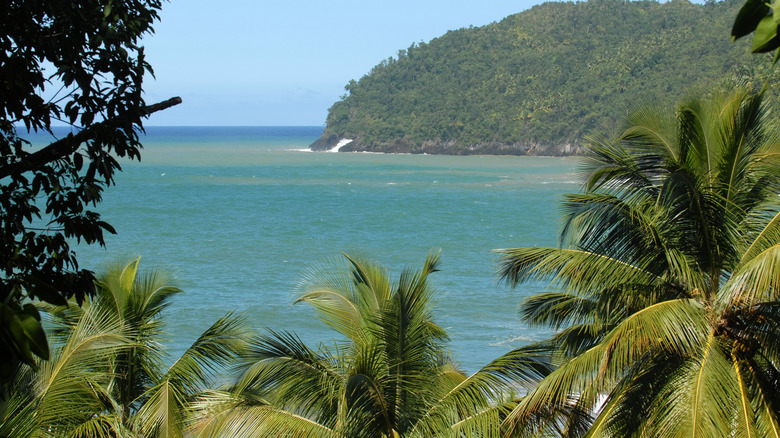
[{"x": 335, "y": 143}]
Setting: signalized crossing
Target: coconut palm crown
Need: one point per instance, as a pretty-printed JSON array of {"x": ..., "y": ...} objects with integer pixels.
[
  {"x": 109, "y": 375},
  {"x": 387, "y": 375},
  {"x": 668, "y": 278}
]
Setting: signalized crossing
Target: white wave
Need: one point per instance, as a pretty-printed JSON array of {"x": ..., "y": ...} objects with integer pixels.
[
  {"x": 561, "y": 182},
  {"x": 512, "y": 340},
  {"x": 343, "y": 142}
]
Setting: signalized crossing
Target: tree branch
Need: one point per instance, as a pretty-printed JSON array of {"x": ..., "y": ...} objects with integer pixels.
[
  {"x": 69, "y": 144},
  {"x": 149, "y": 109}
]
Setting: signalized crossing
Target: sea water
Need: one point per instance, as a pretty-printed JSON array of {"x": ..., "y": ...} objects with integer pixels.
[{"x": 240, "y": 214}]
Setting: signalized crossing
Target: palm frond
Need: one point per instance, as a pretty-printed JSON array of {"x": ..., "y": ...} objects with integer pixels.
[
  {"x": 153, "y": 292},
  {"x": 162, "y": 415},
  {"x": 579, "y": 338},
  {"x": 165, "y": 405},
  {"x": 766, "y": 238},
  {"x": 626, "y": 408},
  {"x": 99, "y": 426},
  {"x": 71, "y": 386},
  {"x": 557, "y": 309},
  {"x": 258, "y": 419},
  {"x": 763, "y": 383},
  {"x": 574, "y": 271},
  {"x": 480, "y": 393},
  {"x": 628, "y": 230},
  {"x": 18, "y": 413},
  {"x": 744, "y": 139},
  {"x": 374, "y": 277},
  {"x": 280, "y": 366},
  {"x": 369, "y": 401},
  {"x": 671, "y": 326},
  {"x": 700, "y": 398},
  {"x": 116, "y": 284},
  {"x": 746, "y": 425},
  {"x": 336, "y": 309},
  {"x": 633, "y": 163},
  {"x": 343, "y": 292},
  {"x": 486, "y": 423},
  {"x": 756, "y": 280},
  {"x": 216, "y": 348}
]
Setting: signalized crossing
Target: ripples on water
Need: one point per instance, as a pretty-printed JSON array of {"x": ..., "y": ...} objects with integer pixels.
[{"x": 240, "y": 213}]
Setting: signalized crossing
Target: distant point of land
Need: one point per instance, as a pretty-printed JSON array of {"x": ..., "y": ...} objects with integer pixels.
[{"x": 541, "y": 81}]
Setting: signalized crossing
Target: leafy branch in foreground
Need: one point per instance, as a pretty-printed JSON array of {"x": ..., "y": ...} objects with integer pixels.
[
  {"x": 79, "y": 63},
  {"x": 758, "y": 17}
]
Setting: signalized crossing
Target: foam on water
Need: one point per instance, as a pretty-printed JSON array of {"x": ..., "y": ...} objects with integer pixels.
[
  {"x": 239, "y": 217},
  {"x": 343, "y": 142}
]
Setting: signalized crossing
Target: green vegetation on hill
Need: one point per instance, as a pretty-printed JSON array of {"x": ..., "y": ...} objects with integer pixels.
[{"x": 539, "y": 81}]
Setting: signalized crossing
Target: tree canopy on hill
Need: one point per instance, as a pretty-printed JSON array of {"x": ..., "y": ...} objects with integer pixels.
[{"x": 539, "y": 81}]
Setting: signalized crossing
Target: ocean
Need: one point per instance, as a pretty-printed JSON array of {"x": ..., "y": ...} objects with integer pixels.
[{"x": 240, "y": 213}]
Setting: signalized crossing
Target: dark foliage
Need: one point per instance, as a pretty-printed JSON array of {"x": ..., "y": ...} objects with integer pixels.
[
  {"x": 757, "y": 17},
  {"x": 77, "y": 63}
]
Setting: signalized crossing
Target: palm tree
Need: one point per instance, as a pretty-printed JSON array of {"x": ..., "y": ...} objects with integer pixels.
[
  {"x": 109, "y": 375},
  {"x": 669, "y": 279},
  {"x": 387, "y": 375},
  {"x": 68, "y": 394}
]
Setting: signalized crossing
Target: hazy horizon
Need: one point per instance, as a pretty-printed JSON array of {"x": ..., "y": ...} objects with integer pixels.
[{"x": 242, "y": 63}]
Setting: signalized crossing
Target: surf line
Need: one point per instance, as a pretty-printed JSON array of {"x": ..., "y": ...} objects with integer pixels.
[{"x": 343, "y": 142}]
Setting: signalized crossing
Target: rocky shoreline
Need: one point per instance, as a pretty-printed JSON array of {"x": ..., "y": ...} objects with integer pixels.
[{"x": 336, "y": 143}]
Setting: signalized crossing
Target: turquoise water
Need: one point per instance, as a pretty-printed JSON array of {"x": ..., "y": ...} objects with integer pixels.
[{"x": 240, "y": 213}]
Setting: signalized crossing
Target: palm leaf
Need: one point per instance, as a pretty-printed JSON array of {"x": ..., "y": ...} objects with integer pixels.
[
  {"x": 166, "y": 403},
  {"x": 626, "y": 409},
  {"x": 280, "y": 366},
  {"x": 267, "y": 421},
  {"x": 153, "y": 292},
  {"x": 699, "y": 400},
  {"x": 99, "y": 426},
  {"x": 336, "y": 309},
  {"x": 18, "y": 413},
  {"x": 486, "y": 423},
  {"x": 117, "y": 282},
  {"x": 557, "y": 309},
  {"x": 162, "y": 414},
  {"x": 745, "y": 418},
  {"x": 224, "y": 414},
  {"x": 579, "y": 338},
  {"x": 766, "y": 238},
  {"x": 573, "y": 270},
  {"x": 762, "y": 380},
  {"x": 71, "y": 386},
  {"x": 756, "y": 280},
  {"x": 671, "y": 326},
  {"x": 343, "y": 293},
  {"x": 472, "y": 402},
  {"x": 632, "y": 164},
  {"x": 216, "y": 348}
]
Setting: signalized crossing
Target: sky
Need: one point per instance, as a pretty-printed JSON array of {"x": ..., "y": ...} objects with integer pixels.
[{"x": 284, "y": 63}]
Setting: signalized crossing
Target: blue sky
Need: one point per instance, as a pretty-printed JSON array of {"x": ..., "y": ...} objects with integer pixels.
[{"x": 255, "y": 63}]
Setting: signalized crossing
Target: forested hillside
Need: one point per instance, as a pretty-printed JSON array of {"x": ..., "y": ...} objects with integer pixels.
[{"x": 540, "y": 81}]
